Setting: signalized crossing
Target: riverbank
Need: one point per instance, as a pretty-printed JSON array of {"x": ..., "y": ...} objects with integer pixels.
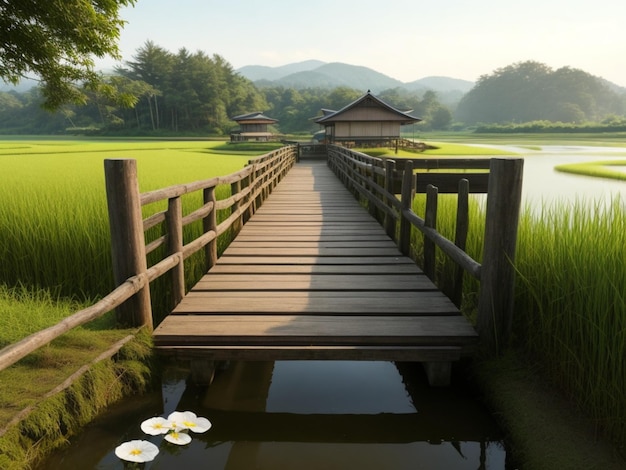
[
  {"x": 544, "y": 429},
  {"x": 63, "y": 387}
]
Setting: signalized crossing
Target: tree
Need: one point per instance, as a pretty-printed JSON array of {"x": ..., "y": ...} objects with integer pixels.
[
  {"x": 531, "y": 91},
  {"x": 56, "y": 40}
]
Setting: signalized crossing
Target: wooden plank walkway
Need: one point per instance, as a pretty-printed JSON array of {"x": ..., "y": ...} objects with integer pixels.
[{"x": 313, "y": 276}]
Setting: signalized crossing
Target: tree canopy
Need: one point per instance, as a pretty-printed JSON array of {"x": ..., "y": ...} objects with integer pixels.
[
  {"x": 531, "y": 91},
  {"x": 56, "y": 40}
]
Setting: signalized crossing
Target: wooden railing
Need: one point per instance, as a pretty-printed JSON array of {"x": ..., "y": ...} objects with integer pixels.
[
  {"x": 378, "y": 182},
  {"x": 249, "y": 188}
]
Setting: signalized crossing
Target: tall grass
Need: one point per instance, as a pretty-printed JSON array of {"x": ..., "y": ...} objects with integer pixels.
[
  {"x": 570, "y": 301},
  {"x": 54, "y": 231},
  {"x": 571, "y": 307}
]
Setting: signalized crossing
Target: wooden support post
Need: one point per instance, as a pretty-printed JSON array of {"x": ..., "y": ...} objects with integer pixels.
[
  {"x": 390, "y": 222},
  {"x": 210, "y": 225},
  {"x": 202, "y": 370},
  {"x": 497, "y": 274},
  {"x": 128, "y": 245},
  {"x": 438, "y": 373},
  {"x": 370, "y": 177},
  {"x": 175, "y": 245},
  {"x": 235, "y": 188},
  {"x": 460, "y": 237},
  {"x": 408, "y": 192},
  {"x": 430, "y": 220}
]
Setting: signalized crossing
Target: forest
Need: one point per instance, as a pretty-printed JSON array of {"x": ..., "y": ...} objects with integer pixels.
[{"x": 161, "y": 93}]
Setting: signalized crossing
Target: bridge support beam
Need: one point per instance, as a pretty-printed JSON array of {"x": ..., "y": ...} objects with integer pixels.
[{"x": 438, "y": 373}]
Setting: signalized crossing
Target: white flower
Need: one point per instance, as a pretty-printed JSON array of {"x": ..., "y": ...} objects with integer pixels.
[
  {"x": 179, "y": 438},
  {"x": 137, "y": 451},
  {"x": 189, "y": 420},
  {"x": 156, "y": 426}
]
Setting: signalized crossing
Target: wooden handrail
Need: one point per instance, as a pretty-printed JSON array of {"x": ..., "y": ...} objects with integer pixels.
[
  {"x": 255, "y": 182},
  {"x": 379, "y": 180}
]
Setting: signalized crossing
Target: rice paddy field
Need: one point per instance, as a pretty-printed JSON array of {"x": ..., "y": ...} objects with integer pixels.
[{"x": 570, "y": 300}]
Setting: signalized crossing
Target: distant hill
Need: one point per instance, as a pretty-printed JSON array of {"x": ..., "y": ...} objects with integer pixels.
[
  {"x": 23, "y": 86},
  {"x": 315, "y": 73},
  {"x": 441, "y": 84},
  {"x": 262, "y": 72}
]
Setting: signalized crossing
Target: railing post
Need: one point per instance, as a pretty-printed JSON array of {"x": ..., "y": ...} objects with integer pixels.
[
  {"x": 390, "y": 222},
  {"x": 128, "y": 245},
  {"x": 497, "y": 274},
  {"x": 175, "y": 245},
  {"x": 430, "y": 220},
  {"x": 210, "y": 225},
  {"x": 460, "y": 238},
  {"x": 408, "y": 192},
  {"x": 235, "y": 188}
]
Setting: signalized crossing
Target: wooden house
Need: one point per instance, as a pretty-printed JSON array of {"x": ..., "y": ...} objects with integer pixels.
[
  {"x": 368, "y": 121},
  {"x": 253, "y": 127}
]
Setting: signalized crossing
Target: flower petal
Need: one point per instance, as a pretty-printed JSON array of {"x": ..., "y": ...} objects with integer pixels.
[
  {"x": 137, "y": 451},
  {"x": 200, "y": 425},
  {"x": 178, "y": 438},
  {"x": 178, "y": 419},
  {"x": 156, "y": 426}
]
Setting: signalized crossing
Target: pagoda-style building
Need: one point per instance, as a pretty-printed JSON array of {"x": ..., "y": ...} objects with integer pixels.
[
  {"x": 253, "y": 127},
  {"x": 368, "y": 121}
]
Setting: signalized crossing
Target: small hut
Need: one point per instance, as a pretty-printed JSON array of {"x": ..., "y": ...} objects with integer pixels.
[
  {"x": 368, "y": 121},
  {"x": 253, "y": 127}
]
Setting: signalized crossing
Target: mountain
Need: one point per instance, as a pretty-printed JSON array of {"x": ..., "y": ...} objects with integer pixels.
[
  {"x": 440, "y": 84},
  {"x": 23, "y": 86},
  {"x": 262, "y": 72},
  {"x": 318, "y": 74}
]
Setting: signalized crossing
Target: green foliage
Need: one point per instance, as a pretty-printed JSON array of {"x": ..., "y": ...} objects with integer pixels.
[
  {"x": 551, "y": 127},
  {"x": 185, "y": 91},
  {"x": 56, "y": 40},
  {"x": 531, "y": 91},
  {"x": 54, "y": 219},
  {"x": 570, "y": 308}
]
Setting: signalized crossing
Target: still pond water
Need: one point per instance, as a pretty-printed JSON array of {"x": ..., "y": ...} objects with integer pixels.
[
  {"x": 305, "y": 415},
  {"x": 332, "y": 415}
]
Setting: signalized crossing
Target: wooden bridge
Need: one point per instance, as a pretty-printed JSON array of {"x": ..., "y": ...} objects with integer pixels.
[
  {"x": 318, "y": 267},
  {"x": 312, "y": 275}
]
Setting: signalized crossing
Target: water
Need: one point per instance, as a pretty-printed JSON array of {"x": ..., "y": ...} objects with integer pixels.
[
  {"x": 543, "y": 184},
  {"x": 305, "y": 415}
]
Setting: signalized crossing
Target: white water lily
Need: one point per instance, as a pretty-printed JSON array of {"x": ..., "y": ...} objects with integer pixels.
[
  {"x": 189, "y": 420},
  {"x": 137, "y": 451},
  {"x": 156, "y": 426},
  {"x": 178, "y": 438}
]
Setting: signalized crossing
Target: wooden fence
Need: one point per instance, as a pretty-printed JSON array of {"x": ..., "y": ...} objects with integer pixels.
[
  {"x": 377, "y": 181},
  {"x": 249, "y": 188}
]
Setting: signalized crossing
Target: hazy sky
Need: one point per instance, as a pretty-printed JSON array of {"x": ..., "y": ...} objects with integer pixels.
[{"x": 405, "y": 39}]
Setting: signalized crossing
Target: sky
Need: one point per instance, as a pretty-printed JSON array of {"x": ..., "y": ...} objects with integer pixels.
[{"x": 404, "y": 39}]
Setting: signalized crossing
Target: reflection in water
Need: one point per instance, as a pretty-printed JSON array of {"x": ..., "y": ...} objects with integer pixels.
[{"x": 306, "y": 415}]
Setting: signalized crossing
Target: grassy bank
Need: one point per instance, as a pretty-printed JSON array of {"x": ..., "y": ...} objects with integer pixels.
[{"x": 600, "y": 169}]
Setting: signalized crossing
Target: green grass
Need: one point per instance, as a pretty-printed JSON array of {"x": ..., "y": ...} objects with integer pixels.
[
  {"x": 570, "y": 305},
  {"x": 600, "y": 169},
  {"x": 614, "y": 139},
  {"x": 53, "y": 216},
  {"x": 443, "y": 149}
]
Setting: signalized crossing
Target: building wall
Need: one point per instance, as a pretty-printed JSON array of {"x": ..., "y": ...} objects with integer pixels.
[{"x": 366, "y": 129}]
